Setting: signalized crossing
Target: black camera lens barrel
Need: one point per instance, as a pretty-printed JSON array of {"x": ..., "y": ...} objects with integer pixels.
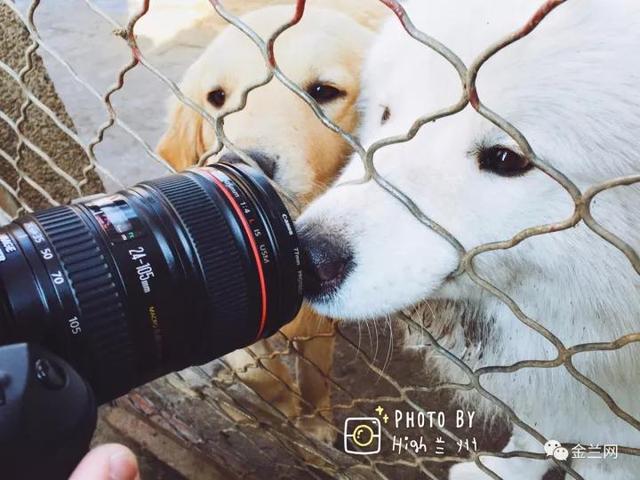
[{"x": 170, "y": 273}]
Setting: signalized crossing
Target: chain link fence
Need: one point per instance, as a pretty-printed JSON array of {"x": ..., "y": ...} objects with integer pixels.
[{"x": 221, "y": 410}]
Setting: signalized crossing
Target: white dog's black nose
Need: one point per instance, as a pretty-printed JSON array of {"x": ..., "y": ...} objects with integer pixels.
[
  {"x": 266, "y": 163},
  {"x": 326, "y": 261}
]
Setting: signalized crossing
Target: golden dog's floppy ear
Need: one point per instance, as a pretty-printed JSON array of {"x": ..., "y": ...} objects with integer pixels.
[{"x": 182, "y": 143}]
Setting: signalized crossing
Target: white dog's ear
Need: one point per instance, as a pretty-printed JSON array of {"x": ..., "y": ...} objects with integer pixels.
[{"x": 182, "y": 144}]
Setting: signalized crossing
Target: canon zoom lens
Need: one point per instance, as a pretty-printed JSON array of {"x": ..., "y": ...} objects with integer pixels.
[{"x": 167, "y": 274}]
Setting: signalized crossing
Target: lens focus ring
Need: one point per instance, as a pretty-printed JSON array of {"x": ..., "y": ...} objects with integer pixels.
[
  {"x": 101, "y": 309},
  {"x": 217, "y": 251}
]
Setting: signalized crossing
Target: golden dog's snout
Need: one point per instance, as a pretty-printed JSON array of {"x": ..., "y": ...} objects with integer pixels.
[{"x": 265, "y": 162}]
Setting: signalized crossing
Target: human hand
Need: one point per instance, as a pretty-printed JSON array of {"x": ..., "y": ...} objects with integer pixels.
[{"x": 108, "y": 462}]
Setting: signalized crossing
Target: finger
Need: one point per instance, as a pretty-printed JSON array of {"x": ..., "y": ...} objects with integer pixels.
[{"x": 108, "y": 462}]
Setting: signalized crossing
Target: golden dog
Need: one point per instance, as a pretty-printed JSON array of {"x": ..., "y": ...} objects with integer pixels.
[{"x": 279, "y": 131}]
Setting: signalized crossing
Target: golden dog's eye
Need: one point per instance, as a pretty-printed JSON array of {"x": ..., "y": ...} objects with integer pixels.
[
  {"x": 386, "y": 115},
  {"x": 217, "y": 97},
  {"x": 323, "y": 93},
  {"x": 503, "y": 161}
]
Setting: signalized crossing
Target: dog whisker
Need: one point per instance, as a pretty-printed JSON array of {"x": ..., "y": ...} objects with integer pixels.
[
  {"x": 387, "y": 360},
  {"x": 366, "y": 324},
  {"x": 359, "y": 340},
  {"x": 375, "y": 329}
]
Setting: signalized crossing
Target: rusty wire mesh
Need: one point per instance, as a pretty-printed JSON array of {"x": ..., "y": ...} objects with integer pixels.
[{"x": 219, "y": 389}]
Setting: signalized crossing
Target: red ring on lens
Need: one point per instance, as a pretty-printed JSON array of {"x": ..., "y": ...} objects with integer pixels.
[{"x": 254, "y": 249}]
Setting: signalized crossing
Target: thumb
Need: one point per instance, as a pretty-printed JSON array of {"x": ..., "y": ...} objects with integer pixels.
[{"x": 108, "y": 462}]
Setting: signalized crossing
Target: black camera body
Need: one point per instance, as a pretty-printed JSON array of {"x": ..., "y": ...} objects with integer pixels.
[
  {"x": 47, "y": 414},
  {"x": 127, "y": 287}
]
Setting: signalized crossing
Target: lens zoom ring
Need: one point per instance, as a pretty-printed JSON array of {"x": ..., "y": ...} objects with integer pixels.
[
  {"x": 216, "y": 249},
  {"x": 102, "y": 311}
]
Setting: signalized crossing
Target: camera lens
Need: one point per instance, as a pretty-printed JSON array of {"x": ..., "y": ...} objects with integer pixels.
[{"x": 167, "y": 274}]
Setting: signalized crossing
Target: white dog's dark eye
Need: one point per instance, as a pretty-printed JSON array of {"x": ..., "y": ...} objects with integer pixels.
[
  {"x": 386, "y": 115},
  {"x": 217, "y": 97},
  {"x": 503, "y": 161},
  {"x": 323, "y": 93}
]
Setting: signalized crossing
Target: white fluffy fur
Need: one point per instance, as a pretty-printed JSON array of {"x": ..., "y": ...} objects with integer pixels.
[{"x": 572, "y": 87}]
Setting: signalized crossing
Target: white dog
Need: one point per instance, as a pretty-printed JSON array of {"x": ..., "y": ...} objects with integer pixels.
[{"x": 572, "y": 88}]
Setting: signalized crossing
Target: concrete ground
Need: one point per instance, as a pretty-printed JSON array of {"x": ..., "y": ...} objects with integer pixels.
[{"x": 87, "y": 42}]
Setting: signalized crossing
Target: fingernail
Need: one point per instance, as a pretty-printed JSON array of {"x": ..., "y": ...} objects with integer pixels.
[{"x": 123, "y": 466}]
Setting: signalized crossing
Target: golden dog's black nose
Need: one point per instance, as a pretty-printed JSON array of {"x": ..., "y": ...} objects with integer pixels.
[
  {"x": 326, "y": 261},
  {"x": 266, "y": 163}
]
